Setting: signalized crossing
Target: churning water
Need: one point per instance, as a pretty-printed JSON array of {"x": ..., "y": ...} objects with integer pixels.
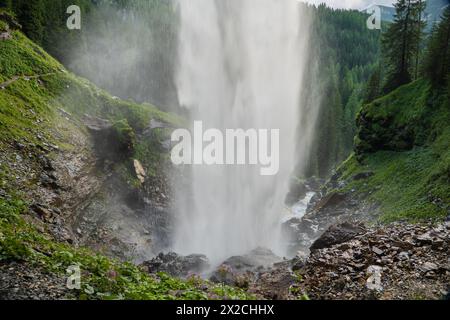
[{"x": 241, "y": 65}]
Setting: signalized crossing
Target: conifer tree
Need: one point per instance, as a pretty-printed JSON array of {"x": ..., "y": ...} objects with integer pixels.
[
  {"x": 437, "y": 61},
  {"x": 31, "y": 15},
  {"x": 420, "y": 27},
  {"x": 373, "y": 89},
  {"x": 401, "y": 42},
  {"x": 5, "y": 4}
]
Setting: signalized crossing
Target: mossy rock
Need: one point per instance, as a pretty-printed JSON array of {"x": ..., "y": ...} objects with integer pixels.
[
  {"x": 9, "y": 19},
  {"x": 125, "y": 137},
  {"x": 397, "y": 122}
]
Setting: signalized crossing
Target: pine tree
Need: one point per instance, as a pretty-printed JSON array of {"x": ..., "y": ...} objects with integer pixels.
[
  {"x": 5, "y": 4},
  {"x": 373, "y": 89},
  {"x": 437, "y": 61},
  {"x": 32, "y": 17},
  {"x": 401, "y": 41},
  {"x": 420, "y": 27}
]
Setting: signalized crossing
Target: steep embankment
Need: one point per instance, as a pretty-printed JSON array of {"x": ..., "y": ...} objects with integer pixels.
[
  {"x": 79, "y": 167},
  {"x": 400, "y": 169},
  {"x": 402, "y": 154}
]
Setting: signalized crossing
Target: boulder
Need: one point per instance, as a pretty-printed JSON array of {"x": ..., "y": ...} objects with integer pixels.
[
  {"x": 5, "y": 36},
  {"x": 362, "y": 175},
  {"x": 337, "y": 234},
  {"x": 237, "y": 269},
  {"x": 258, "y": 258},
  {"x": 297, "y": 191},
  {"x": 177, "y": 265},
  {"x": 330, "y": 200},
  {"x": 113, "y": 141}
]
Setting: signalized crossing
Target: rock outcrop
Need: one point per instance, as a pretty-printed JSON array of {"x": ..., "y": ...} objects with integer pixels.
[
  {"x": 337, "y": 234},
  {"x": 176, "y": 265}
]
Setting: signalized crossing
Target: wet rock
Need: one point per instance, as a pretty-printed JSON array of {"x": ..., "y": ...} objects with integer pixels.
[
  {"x": 19, "y": 146},
  {"x": 234, "y": 269},
  {"x": 297, "y": 263},
  {"x": 46, "y": 163},
  {"x": 337, "y": 234},
  {"x": 49, "y": 181},
  {"x": 97, "y": 125},
  {"x": 113, "y": 141},
  {"x": 297, "y": 190},
  {"x": 258, "y": 258},
  {"x": 43, "y": 212},
  {"x": 330, "y": 200},
  {"x": 429, "y": 266},
  {"x": 425, "y": 239},
  {"x": 377, "y": 251},
  {"x": 362, "y": 175},
  {"x": 274, "y": 284},
  {"x": 176, "y": 265},
  {"x": 166, "y": 145},
  {"x": 155, "y": 124},
  {"x": 226, "y": 275}
]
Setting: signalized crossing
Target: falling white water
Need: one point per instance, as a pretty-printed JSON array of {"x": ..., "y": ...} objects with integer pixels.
[{"x": 241, "y": 65}]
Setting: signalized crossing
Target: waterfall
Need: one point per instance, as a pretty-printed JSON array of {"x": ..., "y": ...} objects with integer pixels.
[{"x": 242, "y": 64}]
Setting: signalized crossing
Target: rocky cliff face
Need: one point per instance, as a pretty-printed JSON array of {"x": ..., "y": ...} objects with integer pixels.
[{"x": 92, "y": 168}]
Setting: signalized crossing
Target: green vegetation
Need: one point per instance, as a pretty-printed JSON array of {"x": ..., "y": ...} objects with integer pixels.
[
  {"x": 102, "y": 278},
  {"x": 404, "y": 140}
]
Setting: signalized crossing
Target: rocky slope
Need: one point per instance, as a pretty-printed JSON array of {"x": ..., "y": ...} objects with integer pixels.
[
  {"x": 400, "y": 261},
  {"x": 348, "y": 262}
]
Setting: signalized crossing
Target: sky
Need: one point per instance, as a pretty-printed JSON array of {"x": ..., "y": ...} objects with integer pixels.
[{"x": 350, "y": 4}]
